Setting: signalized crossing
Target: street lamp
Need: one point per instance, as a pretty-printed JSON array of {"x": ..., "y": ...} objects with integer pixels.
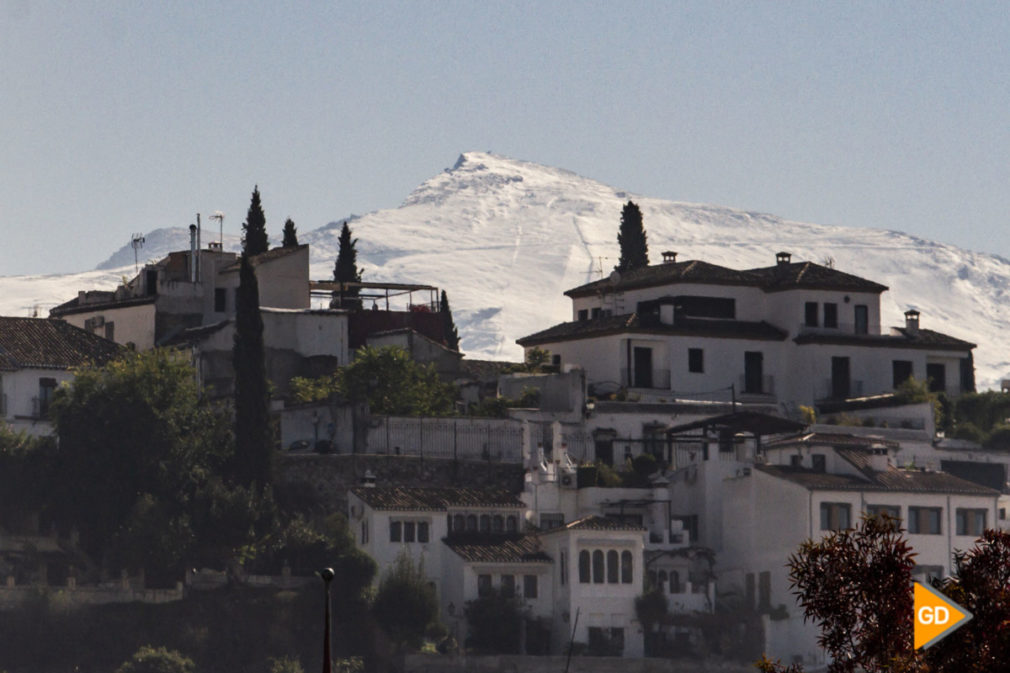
[{"x": 327, "y": 575}]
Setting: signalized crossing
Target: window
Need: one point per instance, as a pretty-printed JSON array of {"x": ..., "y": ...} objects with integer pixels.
[
  {"x": 511, "y": 524},
  {"x": 364, "y": 532},
  {"x": 422, "y": 531},
  {"x": 584, "y": 567},
  {"x": 936, "y": 373},
  {"x": 796, "y": 461},
  {"x": 627, "y": 567},
  {"x": 901, "y": 371},
  {"x": 598, "y": 571},
  {"x": 924, "y": 520},
  {"x": 970, "y": 521},
  {"x": 818, "y": 462},
  {"x": 810, "y": 314},
  {"x": 458, "y": 523},
  {"x": 471, "y": 523},
  {"x": 220, "y": 300},
  {"x": 552, "y": 520},
  {"x": 690, "y": 306},
  {"x": 563, "y": 568},
  {"x": 508, "y": 586},
  {"x": 483, "y": 585},
  {"x": 497, "y": 523},
  {"x": 674, "y": 582},
  {"x": 530, "y": 586},
  {"x": 862, "y": 319},
  {"x": 485, "y": 523},
  {"x": 835, "y": 516},
  {"x": 408, "y": 531},
  {"x": 612, "y": 569},
  {"x": 556, "y": 361},
  {"x": 765, "y": 589},
  {"x": 1002, "y": 513},
  {"x": 110, "y": 331},
  {"x": 596, "y": 313},
  {"x": 395, "y": 531},
  {"x": 893, "y": 511},
  {"x": 583, "y": 314},
  {"x": 696, "y": 360},
  {"x": 47, "y": 388},
  {"x": 830, "y": 315}
]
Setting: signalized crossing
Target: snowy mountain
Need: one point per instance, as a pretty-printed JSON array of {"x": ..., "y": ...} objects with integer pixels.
[{"x": 505, "y": 238}]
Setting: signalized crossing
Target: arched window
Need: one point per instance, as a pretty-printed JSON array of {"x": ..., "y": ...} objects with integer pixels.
[
  {"x": 612, "y": 567},
  {"x": 497, "y": 524},
  {"x": 458, "y": 523},
  {"x": 584, "y": 566},
  {"x": 471, "y": 522},
  {"x": 662, "y": 581},
  {"x": 598, "y": 567},
  {"x": 485, "y": 523},
  {"x": 651, "y": 578},
  {"x": 511, "y": 524},
  {"x": 674, "y": 582},
  {"x": 627, "y": 567}
]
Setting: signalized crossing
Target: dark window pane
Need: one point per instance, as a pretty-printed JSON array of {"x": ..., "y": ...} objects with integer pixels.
[
  {"x": 394, "y": 531},
  {"x": 612, "y": 569}
]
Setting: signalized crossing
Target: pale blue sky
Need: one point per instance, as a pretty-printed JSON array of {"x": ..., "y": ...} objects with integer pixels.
[{"x": 123, "y": 116}]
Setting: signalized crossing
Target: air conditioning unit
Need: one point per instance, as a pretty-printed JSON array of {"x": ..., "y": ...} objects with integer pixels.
[{"x": 568, "y": 480}]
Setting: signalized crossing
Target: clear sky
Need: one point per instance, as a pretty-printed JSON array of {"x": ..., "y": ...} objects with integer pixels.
[{"x": 125, "y": 116}]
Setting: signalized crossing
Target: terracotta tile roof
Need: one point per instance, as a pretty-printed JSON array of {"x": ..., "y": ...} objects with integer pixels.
[
  {"x": 808, "y": 275},
  {"x": 595, "y": 522},
  {"x": 904, "y": 481},
  {"x": 46, "y": 343},
  {"x": 487, "y": 548},
  {"x": 690, "y": 271},
  {"x": 922, "y": 338},
  {"x": 435, "y": 499},
  {"x": 585, "y": 329}
]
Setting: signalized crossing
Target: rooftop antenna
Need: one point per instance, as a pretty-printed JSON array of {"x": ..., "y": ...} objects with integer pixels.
[
  {"x": 219, "y": 216},
  {"x": 137, "y": 242}
]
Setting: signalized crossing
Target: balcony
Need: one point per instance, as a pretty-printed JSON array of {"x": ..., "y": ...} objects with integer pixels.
[{"x": 654, "y": 379}]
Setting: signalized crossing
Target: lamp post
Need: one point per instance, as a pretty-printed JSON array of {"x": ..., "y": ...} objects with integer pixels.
[{"x": 327, "y": 575}]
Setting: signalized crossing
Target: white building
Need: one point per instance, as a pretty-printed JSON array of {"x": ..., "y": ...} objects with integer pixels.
[
  {"x": 36, "y": 356},
  {"x": 812, "y": 484},
  {"x": 791, "y": 334}
]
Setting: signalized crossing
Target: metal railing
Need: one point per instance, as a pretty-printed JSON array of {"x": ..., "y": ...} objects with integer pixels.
[
  {"x": 659, "y": 379},
  {"x": 767, "y": 385}
]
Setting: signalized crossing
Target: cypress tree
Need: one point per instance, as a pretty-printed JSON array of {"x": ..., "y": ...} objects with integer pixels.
[
  {"x": 253, "y": 437},
  {"x": 631, "y": 238},
  {"x": 254, "y": 229},
  {"x": 346, "y": 271},
  {"x": 448, "y": 325},
  {"x": 290, "y": 234}
]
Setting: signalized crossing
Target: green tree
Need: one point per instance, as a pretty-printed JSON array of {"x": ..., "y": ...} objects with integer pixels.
[
  {"x": 346, "y": 270},
  {"x": 405, "y": 603},
  {"x": 137, "y": 440},
  {"x": 386, "y": 378},
  {"x": 631, "y": 238},
  {"x": 495, "y": 623},
  {"x": 254, "y": 229},
  {"x": 253, "y": 435},
  {"x": 290, "y": 234},
  {"x": 157, "y": 660},
  {"x": 448, "y": 325}
]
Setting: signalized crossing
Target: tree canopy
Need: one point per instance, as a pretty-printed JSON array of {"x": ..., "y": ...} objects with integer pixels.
[
  {"x": 448, "y": 325},
  {"x": 346, "y": 270},
  {"x": 290, "y": 234},
  {"x": 405, "y": 603},
  {"x": 631, "y": 238},
  {"x": 254, "y": 229},
  {"x": 254, "y": 444}
]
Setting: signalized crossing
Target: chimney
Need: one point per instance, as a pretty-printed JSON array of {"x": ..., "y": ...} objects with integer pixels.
[
  {"x": 192, "y": 253},
  {"x": 912, "y": 321},
  {"x": 783, "y": 258},
  {"x": 669, "y": 257},
  {"x": 368, "y": 480}
]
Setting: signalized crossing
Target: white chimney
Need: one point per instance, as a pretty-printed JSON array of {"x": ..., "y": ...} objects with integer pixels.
[{"x": 912, "y": 320}]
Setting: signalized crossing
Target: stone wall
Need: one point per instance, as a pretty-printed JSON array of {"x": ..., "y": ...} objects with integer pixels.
[{"x": 325, "y": 478}]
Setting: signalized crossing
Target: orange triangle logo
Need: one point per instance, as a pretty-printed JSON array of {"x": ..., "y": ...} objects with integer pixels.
[{"x": 935, "y": 615}]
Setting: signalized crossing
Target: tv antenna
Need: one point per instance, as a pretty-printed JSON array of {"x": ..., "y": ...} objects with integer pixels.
[
  {"x": 219, "y": 216},
  {"x": 137, "y": 242}
]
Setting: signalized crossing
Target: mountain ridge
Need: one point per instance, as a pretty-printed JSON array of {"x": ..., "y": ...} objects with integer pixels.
[{"x": 506, "y": 237}]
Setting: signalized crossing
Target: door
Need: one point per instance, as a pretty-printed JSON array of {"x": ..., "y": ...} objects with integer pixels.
[
  {"x": 840, "y": 385},
  {"x": 753, "y": 371},
  {"x": 862, "y": 319},
  {"x": 643, "y": 367},
  {"x": 937, "y": 375}
]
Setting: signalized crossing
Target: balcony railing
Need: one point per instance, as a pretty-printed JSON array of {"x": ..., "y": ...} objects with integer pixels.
[
  {"x": 827, "y": 391},
  {"x": 658, "y": 379}
]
